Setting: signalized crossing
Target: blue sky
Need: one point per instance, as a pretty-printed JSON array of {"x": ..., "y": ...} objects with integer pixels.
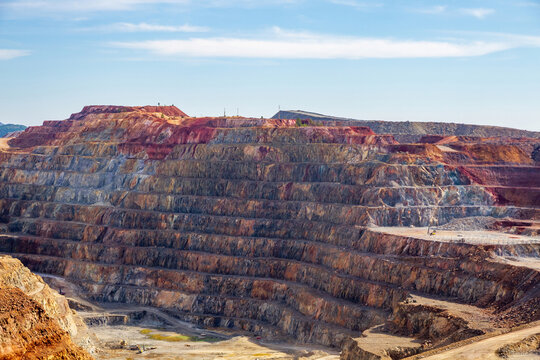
[{"x": 455, "y": 61}]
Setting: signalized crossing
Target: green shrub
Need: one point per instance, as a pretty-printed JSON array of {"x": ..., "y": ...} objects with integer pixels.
[{"x": 304, "y": 122}]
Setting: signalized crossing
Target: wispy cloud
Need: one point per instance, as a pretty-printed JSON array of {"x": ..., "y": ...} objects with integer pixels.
[
  {"x": 82, "y": 6},
  {"x": 526, "y": 4},
  {"x": 246, "y": 3},
  {"x": 144, "y": 27},
  {"x": 514, "y": 40},
  {"x": 67, "y": 6},
  {"x": 7, "y": 54},
  {"x": 479, "y": 13},
  {"x": 313, "y": 46},
  {"x": 438, "y": 9},
  {"x": 359, "y": 5}
]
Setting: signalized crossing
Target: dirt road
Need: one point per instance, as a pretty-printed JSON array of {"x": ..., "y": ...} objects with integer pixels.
[{"x": 485, "y": 349}]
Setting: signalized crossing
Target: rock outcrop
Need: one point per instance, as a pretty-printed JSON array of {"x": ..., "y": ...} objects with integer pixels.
[
  {"x": 35, "y": 321},
  {"x": 265, "y": 225}
]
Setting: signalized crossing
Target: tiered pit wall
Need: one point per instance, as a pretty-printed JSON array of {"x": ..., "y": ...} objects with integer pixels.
[{"x": 256, "y": 224}]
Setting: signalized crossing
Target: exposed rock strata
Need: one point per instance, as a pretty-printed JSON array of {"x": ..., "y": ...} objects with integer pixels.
[{"x": 261, "y": 224}]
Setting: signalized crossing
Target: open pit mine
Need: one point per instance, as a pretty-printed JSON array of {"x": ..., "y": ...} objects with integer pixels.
[{"x": 296, "y": 237}]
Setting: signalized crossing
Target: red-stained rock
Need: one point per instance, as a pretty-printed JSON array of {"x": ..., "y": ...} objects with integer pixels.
[
  {"x": 35, "y": 322},
  {"x": 263, "y": 224},
  {"x": 103, "y": 109}
]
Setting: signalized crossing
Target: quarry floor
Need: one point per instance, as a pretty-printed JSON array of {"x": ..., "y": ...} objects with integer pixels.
[
  {"x": 221, "y": 344},
  {"x": 238, "y": 347}
]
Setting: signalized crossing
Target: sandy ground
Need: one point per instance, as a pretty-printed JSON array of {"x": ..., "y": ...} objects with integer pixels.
[
  {"x": 530, "y": 262},
  {"x": 529, "y": 356},
  {"x": 469, "y": 237},
  {"x": 472, "y": 237},
  {"x": 240, "y": 347},
  {"x": 485, "y": 349},
  {"x": 445, "y": 148},
  {"x": 4, "y": 143},
  {"x": 477, "y": 318},
  {"x": 377, "y": 342}
]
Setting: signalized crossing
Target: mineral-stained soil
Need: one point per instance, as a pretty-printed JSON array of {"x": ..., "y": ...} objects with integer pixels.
[
  {"x": 34, "y": 320},
  {"x": 277, "y": 226}
]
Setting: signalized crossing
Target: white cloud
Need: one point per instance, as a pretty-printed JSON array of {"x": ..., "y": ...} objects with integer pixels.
[
  {"x": 438, "y": 9},
  {"x": 515, "y": 40},
  {"x": 82, "y": 5},
  {"x": 526, "y": 4},
  {"x": 360, "y": 5},
  {"x": 479, "y": 13},
  {"x": 7, "y": 54},
  {"x": 63, "y": 6},
  {"x": 144, "y": 27},
  {"x": 246, "y": 3},
  {"x": 291, "y": 45}
]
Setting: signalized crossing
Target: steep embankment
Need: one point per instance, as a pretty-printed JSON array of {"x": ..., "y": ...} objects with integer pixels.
[
  {"x": 35, "y": 322},
  {"x": 259, "y": 224}
]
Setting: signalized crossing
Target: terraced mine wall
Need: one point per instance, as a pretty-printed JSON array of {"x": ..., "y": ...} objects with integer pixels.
[{"x": 260, "y": 225}]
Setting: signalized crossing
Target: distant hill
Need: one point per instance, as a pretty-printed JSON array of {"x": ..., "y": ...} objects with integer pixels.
[
  {"x": 9, "y": 128},
  {"x": 411, "y": 130}
]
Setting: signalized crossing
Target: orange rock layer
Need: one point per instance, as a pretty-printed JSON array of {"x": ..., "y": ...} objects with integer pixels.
[
  {"x": 27, "y": 332},
  {"x": 262, "y": 224}
]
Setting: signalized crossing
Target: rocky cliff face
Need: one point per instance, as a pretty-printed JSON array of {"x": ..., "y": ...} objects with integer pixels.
[
  {"x": 35, "y": 321},
  {"x": 260, "y": 224}
]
